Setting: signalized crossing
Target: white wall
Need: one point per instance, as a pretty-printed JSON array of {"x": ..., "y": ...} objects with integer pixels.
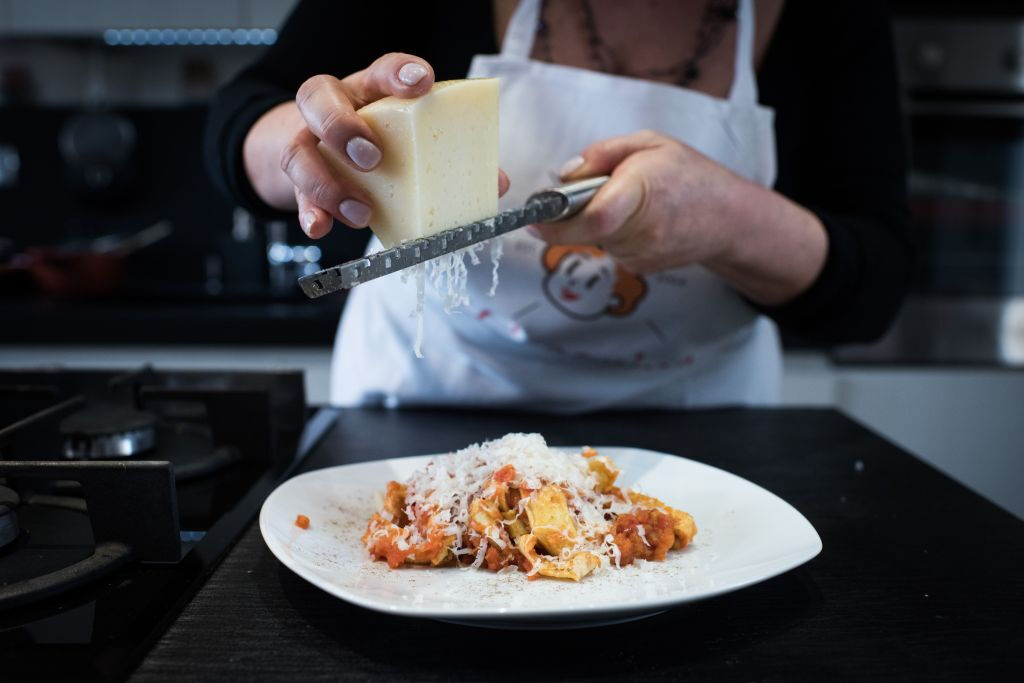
[{"x": 967, "y": 422}]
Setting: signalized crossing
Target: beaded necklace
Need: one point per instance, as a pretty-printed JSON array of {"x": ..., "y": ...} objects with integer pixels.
[{"x": 716, "y": 15}]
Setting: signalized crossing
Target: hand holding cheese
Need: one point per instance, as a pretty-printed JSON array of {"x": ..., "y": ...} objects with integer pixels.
[
  {"x": 280, "y": 150},
  {"x": 440, "y": 162}
]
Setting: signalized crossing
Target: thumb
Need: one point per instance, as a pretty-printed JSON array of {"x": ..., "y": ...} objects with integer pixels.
[{"x": 601, "y": 158}]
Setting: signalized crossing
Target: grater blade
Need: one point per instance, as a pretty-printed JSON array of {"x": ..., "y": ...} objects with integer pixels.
[
  {"x": 545, "y": 206},
  {"x": 372, "y": 266}
]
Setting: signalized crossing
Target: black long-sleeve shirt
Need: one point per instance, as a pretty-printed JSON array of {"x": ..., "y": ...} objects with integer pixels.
[{"x": 829, "y": 73}]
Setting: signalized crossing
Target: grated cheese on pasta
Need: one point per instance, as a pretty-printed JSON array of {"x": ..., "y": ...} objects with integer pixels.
[{"x": 517, "y": 502}]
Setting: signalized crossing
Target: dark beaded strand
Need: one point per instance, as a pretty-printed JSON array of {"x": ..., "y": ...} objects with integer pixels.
[{"x": 716, "y": 15}]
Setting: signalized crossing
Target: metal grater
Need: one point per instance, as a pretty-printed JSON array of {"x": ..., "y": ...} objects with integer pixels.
[{"x": 545, "y": 206}]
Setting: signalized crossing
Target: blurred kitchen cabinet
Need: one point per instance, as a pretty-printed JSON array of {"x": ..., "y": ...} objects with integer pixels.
[
  {"x": 81, "y": 18},
  {"x": 267, "y": 13}
]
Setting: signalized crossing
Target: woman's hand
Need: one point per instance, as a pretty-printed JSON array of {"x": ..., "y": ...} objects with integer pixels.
[
  {"x": 667, "y": 205},
  {"x": 280, "y": 154}
]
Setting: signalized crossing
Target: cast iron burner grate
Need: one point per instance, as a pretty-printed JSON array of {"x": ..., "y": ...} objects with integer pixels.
[
  {"x": 108, "y": 431},
  {"x": 119, "y": 492},
  {"x": 77, "y": 501},
  {"x": 133, "y": 512}
]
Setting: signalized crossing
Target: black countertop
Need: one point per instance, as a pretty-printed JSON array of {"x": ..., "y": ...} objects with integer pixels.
[{"x": 919, "y": 578}]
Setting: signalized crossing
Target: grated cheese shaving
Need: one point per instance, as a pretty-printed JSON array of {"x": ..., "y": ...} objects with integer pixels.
[
  {"x": 479, "y": 555},
  {"x": 449, "y": 276},
  {"x": 642, "y": 533},
  {"x": 419, "y": 274},
  {"x": 609, "y": 542},
  {"x": 496, "y": 252}
]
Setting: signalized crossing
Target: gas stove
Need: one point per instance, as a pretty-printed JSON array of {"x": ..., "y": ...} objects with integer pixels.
[{"x": 119, "y": 493}]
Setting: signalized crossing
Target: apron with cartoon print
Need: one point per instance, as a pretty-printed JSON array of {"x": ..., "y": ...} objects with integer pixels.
[{"x": 568, "y": 330}]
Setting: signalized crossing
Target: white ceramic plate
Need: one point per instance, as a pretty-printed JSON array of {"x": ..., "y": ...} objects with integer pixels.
[{"x": 745, "y": 535}]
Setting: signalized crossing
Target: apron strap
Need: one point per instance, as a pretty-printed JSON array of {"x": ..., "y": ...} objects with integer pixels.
[
  {"x": 522, "y": 27},
  {"x": 744, "y": 80}
]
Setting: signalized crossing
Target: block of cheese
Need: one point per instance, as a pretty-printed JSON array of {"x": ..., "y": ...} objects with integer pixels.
[{"x": 439, "y": 165}]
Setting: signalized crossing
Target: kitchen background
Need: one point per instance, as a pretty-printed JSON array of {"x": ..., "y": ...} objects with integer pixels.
[{"x": 140, "y": 260}]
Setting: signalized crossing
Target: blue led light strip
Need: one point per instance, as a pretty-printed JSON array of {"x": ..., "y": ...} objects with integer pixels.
[{"x": 189, "y": 36}]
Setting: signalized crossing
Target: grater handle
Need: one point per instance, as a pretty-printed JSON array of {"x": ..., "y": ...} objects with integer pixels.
[{"x": 575, "y": 195}]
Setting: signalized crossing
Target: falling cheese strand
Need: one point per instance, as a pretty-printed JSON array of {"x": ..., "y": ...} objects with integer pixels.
[
  {"x": 496, "y": 252},
  {"x": 421, "y": 276},
  {"x": 449, "y": 276}
]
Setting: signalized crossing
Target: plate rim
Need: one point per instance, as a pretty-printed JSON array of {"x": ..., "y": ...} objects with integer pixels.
[{"x": 582, "y": 613}]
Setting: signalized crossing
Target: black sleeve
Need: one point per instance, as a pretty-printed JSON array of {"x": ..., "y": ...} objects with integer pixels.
[
  {"x": 830, "y": 74},
  {"x": 320, "y": 36},
  {"x": 339, "y": 38}
]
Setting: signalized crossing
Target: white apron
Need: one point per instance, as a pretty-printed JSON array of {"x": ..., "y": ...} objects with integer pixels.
[{"x": 568, "y": 331}]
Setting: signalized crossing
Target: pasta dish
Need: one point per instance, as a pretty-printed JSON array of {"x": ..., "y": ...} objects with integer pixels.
[{"x": 516, "y": 504}]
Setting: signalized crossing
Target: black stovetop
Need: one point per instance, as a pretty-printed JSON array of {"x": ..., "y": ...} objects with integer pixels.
[
  {"x": 920, "y": 579},
  {"x": 107, "y": 549}
]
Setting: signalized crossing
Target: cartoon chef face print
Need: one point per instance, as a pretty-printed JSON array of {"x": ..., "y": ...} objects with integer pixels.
[{"x": 584, "y": 283}]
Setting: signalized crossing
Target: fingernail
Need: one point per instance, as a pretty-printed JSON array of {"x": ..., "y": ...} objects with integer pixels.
[
  {"x": 306, "y": 220},
  {"x": 532, "y": 229},
  {"x": 412, "y": 73},
  {"x": 362, "y": 152},
  {"x": 355, "y": 212},
  {"x": 570, "y": 166}
]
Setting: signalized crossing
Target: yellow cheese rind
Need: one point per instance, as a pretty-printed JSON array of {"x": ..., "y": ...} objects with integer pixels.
[{"x": 439, "y": 165}]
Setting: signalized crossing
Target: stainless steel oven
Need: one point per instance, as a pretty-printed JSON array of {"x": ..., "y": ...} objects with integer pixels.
[{"x": 963, "y": 81}]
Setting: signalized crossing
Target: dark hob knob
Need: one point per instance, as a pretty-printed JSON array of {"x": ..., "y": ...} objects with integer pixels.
[{"x": 9, "y": 501}]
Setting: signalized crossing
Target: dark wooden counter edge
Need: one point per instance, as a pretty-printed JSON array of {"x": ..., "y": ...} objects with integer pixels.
[{"x": 919, "y": 578}]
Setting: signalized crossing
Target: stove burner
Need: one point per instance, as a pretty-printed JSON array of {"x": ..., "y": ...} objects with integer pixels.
[
  {"x": 107, "y": 431},
  {"x": 8, "y": 519}
]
